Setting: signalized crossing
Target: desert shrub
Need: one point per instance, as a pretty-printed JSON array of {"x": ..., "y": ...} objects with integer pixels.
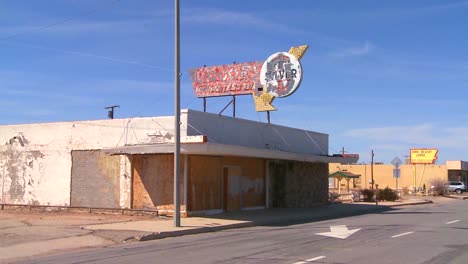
[
  {"x": 387, "y": 194},
  {"x": 437, "y": 187},
  {"x": 368, "y": 195}
]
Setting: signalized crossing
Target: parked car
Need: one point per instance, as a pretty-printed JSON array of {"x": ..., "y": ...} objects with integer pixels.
[{"x": 455, "y": 186}]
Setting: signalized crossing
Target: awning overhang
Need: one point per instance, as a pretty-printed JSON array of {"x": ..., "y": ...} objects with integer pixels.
[
  {"x": 344, "y": 175},
  {"x": 215, "y": 149}
]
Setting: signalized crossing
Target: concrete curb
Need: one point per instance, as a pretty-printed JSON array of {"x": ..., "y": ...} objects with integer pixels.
[
  {"x": 160, "y": 235},
  {"x": 276, "y": 221},
  {"x": 412, "y": 203},
  {"x": 456, "y": 197},
  {"x": 285, "y": 220}
]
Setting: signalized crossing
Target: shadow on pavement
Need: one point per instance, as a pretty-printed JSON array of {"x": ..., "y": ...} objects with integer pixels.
[
  {"x": 413, "y": 212},
  {"x": 292, "y": 216}
]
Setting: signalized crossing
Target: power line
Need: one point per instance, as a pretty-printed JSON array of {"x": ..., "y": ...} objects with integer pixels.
[
  {"x": 40, "y": 28},
  {"x": 333, "y": 149},
  {"x": 77, "y": 53},
  {"x": 84, "y": 54}
]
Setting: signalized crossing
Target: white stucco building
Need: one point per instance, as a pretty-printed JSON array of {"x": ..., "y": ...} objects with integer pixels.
[{"x": 105, "y": 163}]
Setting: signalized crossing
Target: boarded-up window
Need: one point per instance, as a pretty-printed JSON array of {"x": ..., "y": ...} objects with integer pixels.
[
  {"x": 95, "y": 179},
  {"x": 153, "y": 181},
  {"x": 205, "y": 183},
  {"x": 253, "y": 183},
  {"x": 298, "y": 184}
]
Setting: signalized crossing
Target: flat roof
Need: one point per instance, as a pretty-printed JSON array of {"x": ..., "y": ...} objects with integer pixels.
[{"x": 215, "y": 149}]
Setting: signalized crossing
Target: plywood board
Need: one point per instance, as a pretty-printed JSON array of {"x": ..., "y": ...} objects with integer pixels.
[
  {"x": 205, "y": 183},
  {"x": 153, "y": 181}
]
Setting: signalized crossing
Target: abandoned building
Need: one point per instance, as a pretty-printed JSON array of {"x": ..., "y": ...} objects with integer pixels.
[{"x": 226, "y": 164}]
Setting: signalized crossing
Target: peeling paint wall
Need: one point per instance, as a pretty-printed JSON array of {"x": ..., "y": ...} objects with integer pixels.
[
  {"x": 17, "y": 175},
  {"x": 23, "y": 178},
  {"x": 36, "y": 160},
  {"x": 298, "y": 184}
]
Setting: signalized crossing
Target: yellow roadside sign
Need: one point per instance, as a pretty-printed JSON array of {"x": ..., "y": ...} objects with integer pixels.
[{"x": 423, "y": 155}]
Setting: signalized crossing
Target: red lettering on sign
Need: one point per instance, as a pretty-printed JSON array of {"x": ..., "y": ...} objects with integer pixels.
[{"x": 233, "y": 79}]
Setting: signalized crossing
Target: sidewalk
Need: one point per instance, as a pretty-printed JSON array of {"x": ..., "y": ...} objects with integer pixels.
[{"x": 27, "y": 234}]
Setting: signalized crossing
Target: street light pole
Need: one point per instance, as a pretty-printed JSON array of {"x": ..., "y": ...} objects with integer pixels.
[
  {"x": 177, "y": 117},
  {"x": 372, "y": 169}
]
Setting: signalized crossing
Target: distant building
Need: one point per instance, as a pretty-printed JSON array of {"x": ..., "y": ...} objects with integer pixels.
[
  {"x": 226, "y": 164},
  {"x": 411, "y": 176}
]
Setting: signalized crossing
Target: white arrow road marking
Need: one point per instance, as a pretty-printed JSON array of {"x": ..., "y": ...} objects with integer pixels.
[
  {"x": 339, "y": 231},
  {"x": 404, "y": 234},
  {"x": 309, "y": 260},
  {"x": 314, "y": 259},
  {"x": 452, "y": 222}
]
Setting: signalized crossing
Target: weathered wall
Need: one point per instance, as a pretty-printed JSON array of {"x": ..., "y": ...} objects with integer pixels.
[
  {"x": 236, "y": 131},
  {"x": 126, "y": 172},
  {"x": 297, "y": 184},
  {"x": 153, "y": 182},
  {"x": 37, "y": 169},
  {"x": 229, "y": 183},
  {"x": 95, "y": 179},
  {"x": 383, "y": 174},
  {"x": 35, "y": 159},
  {"x": 25, "y": 170},
  {"x": 251, "y": 183},
  {"x": 232, "y": 185}
]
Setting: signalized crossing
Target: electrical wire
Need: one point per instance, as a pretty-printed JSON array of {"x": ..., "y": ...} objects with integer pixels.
[
  {"x": 201, "y": 133},
  {"x": 84, "y": 54},
  {"x": 64, "y": 21},
  {"x": 316, "y": 144},
  {"x": 334, "y": 150}
]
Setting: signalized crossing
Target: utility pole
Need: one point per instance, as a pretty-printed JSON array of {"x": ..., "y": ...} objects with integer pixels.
[
  {"x": 177, "y": 115},
  {"x": 342, "y": 150},
  {"x": 110, "y": 113},
  {"x": 372, "y": 169}
]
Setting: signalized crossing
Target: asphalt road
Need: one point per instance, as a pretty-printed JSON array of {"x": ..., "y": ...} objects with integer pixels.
[{"x": 433, "y": 233}]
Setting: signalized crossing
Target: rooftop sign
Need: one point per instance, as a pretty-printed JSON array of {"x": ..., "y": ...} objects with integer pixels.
[
  {"x": 423, "y": 155},
  {"x": 281, "y": 74},
  {"x": 225, "y": 80}
]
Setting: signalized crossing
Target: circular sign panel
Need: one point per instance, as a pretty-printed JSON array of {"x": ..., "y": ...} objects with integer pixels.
[{"x": 281, "y": 74}]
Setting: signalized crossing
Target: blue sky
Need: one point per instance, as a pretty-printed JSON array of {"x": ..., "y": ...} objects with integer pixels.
[{"x": 381, "y": 75}]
